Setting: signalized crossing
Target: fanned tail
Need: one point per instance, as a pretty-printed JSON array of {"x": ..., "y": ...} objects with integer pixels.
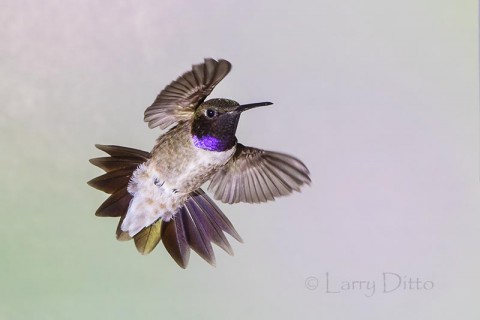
[
  {"x": 119, "y": 168},
  {"x": 197, "y": 224}
]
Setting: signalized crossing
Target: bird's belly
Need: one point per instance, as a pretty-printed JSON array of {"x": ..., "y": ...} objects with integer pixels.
[
  {"x": 152, "y": 199},
  {"x": 187, "y": 173}
]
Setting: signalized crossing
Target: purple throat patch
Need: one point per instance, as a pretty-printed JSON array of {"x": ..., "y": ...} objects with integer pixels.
[{"x": 209, "y": 143}]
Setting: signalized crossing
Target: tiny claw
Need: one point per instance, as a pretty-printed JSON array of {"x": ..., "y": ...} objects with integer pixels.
[{"x": 157, "y": 182}]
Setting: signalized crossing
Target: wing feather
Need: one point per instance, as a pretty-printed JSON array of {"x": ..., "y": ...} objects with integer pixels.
[
  {"x": 254, "y": 175},
  {"x": 178, "y": 100}
]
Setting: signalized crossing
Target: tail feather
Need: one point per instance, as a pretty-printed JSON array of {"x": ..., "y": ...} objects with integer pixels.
[
  {"x": 116, "y": 205},
  {"x": 215, "y": 214},
  {"x": 119, "y": 168},
  {"x": 197, "y": 236},
  {"x": 147, "y": 239},
  {"x": 124, "y": 152},
  {"x": 120, "y": 234},
  {"x": 112, "y": 181},
  {"x": 174, "y": 239},
  {"x": 197, "y": 224},
  {"x": 210, "y": 225},
  {"x": 110, "y": 164}
]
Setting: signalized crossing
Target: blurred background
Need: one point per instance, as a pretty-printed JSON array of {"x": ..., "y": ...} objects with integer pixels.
[{"x": 378, "y": 98}]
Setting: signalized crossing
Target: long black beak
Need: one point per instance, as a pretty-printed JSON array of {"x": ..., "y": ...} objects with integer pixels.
[{"x": 245, "y": 107}]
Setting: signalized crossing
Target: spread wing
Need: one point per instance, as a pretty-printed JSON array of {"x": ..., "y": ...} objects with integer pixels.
[
  {"x": 254, "y": 175},
  {"x": 179, "y": 99}
]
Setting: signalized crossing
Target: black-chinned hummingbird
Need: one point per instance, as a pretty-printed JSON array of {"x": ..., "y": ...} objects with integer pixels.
[{"x": 157, "y": 195}]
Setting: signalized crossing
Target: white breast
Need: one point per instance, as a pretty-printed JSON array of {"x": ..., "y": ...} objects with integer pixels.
[{"x": 203, "y": 160}]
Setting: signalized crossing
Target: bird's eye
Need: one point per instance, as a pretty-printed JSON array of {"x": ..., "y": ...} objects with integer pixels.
[{"x": 210, "y": 113}]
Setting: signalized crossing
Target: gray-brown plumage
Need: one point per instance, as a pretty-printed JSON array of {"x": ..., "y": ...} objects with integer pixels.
[{"x": 157, "y": 195}]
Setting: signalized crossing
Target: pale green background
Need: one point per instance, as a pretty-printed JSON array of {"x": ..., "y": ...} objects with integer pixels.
[{"x": 378, "y": 98}]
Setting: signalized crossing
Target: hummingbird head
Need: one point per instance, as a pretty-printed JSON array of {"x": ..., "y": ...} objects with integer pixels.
[{"x": 215, "y": 123}]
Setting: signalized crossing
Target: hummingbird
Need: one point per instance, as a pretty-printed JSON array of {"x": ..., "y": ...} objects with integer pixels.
[{"x": 158, "y": 194}]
